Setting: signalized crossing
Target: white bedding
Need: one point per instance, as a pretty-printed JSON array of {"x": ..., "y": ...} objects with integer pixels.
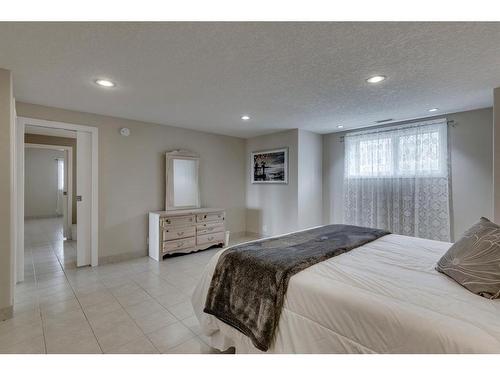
[{"x": 383, "y": 297}]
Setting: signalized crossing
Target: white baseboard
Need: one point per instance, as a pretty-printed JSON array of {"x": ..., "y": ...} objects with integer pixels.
[
  {"x": 41, "y": 217},
  {"x": 121, "y": 257},
  {"x": 253, "y": 234}
]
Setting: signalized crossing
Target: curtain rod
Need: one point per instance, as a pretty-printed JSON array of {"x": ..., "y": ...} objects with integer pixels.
[{"x": 388, "y": 128}]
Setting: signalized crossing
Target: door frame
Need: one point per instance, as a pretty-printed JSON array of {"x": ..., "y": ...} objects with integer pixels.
[
  {"x": 69, "y": 187},
  {"x": 22, "y": 122}
]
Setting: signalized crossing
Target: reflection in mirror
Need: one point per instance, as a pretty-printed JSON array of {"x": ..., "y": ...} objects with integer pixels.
[
  {"x": 185, "y": 182},
  {"x": 182, "y": 189}
]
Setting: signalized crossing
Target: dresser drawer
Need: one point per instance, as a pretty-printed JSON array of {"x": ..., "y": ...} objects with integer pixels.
[
  {"x": 171, "y": 246},
  {"x": 212, "y": 216},
  {"x": 210, "y": 228},
  {"x": 175, "y": 233},
  {"x": 177, "y": 220},
  {"x": 210, "y": 238}
]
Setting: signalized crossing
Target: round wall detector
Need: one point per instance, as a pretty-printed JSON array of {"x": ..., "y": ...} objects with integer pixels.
[{"x": 125, "y": 132}]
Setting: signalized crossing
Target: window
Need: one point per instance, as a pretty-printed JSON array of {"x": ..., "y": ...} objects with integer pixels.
[
  {"x": 60, "y": 174},
  {"x": 397, "y": 179},
  {"x": 411, "y": 151}
]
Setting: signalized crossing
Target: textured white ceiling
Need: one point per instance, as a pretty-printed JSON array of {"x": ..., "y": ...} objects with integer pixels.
[{"x": 284, "y": 75}]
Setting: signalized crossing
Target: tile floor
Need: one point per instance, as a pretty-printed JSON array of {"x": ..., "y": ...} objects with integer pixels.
[{"x": 137, "y": 306}]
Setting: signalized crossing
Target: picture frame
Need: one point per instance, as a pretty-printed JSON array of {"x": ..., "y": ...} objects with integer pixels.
[{"x": 269, "y": 166}]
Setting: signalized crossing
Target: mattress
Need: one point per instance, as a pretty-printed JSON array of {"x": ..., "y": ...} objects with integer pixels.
[{"x": 383, "y": 297}]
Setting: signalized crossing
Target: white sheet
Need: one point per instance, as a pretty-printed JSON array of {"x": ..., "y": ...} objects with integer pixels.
[{"x": 383, "y": 297}]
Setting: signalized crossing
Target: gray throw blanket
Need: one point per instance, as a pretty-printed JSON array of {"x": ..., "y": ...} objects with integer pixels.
[{"x": 248, "y": 287}]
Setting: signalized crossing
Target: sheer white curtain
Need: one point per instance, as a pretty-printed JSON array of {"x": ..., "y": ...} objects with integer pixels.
[
  {"x": 60, "y": 186},
  {"x": 396, "y": 178}
]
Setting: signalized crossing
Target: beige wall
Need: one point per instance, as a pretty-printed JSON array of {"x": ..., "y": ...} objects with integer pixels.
[
  {"x": 132, "y": 170},
  {"x": 58, "y": 141},
  {"x": 280, "y": 208},
  {"x": 496, "y": 154},
  {"x": 40, "y": 182},
  {"x": 273, "y": 208},
  {"x": 6, "y": 248},
  {"x": 310, "y": 189},
  {"x": 471, "y": 170},
  {"x": 132, "y": 174}
]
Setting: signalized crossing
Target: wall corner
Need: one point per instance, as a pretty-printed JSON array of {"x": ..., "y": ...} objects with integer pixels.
[{"x": 496, "y": 155}]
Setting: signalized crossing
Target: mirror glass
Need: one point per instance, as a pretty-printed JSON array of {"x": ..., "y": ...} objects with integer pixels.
[
  {"x": 185, "y": 181},
  {"x": 182, "y": 190}
]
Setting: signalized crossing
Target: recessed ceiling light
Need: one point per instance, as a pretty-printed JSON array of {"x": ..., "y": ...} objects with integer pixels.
[
  {"x": 340, "y": 126},
  {"x": 433, "y": 109},
  {"x": 245, "y": 118},
  {"x": 104, "y": 83},
  {"x": 375, "y": 79}
]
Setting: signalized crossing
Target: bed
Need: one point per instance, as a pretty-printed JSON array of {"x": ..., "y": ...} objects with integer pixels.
[{"x": 382, "y": 297}]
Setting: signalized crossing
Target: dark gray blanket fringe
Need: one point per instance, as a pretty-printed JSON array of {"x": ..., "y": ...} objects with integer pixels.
[{"x": 248, "y": 287}]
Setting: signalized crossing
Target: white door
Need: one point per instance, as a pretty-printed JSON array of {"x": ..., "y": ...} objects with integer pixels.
[
  {"x": 66, "y": 229},
  {"x": 83, "y": 197}
]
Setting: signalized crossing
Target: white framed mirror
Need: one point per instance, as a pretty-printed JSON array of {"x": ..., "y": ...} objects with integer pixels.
[{"x": 182, "y": 182}]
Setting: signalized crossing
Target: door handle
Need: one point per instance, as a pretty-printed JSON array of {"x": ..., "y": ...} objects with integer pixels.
[
  {"x": 78, "y": 198},
  {"x": 65, "y": 193}
]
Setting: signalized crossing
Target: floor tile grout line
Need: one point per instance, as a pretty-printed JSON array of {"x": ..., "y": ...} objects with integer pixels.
[
  {"x": 130, "y": 274},
  {"x": 43, "y": 329},
  {"x": 178, "y": 320},
  {"x": 79, "y": 303},
  {"x": 39, "y": 307},
  {"x": 166, "y": 308},
  {"x": 130, "y": 316},
  {"x": 191, "y": 338},
  {"x": 150, "y": 295}
]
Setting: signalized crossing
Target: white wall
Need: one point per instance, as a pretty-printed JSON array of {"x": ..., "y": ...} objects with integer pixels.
[
  {"x": 40, "y": 182},
  {"x": 470, "y": 143},
  {"x": 496, "y": 154},
  {"x": 276, "y": 208},
  {"x": 273, "y": 208},
  {"x": 132, "y": 174},
  {"x": 41, "y": 139},
  {"x": 6, "y": 199},
  {"x": 310, "y": 179},
  {"x": 333, "y": 178}
]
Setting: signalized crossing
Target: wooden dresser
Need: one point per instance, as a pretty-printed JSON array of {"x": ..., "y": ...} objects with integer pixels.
[{"x": 185, "y": 231}]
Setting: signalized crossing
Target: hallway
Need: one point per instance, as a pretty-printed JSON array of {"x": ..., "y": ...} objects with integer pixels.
[{"x": 46, "y": 251}]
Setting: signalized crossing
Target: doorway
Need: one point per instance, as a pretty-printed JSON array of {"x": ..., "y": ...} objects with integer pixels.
[
  {"x": 66, "y": 222},
  {"x": 49, "y": 217}
]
